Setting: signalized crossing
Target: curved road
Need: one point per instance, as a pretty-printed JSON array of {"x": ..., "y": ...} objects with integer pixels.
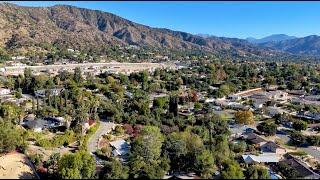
[{"x": 105, "y": 127}]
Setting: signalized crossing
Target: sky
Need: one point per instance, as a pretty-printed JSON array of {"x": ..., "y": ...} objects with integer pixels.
[{"x": 228, "y": 19}]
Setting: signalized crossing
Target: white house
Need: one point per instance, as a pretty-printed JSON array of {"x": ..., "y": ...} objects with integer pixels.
[
  {"x": 263, "y": 158},
  {"x": 4, "y": 91},
  {"x": 257, "y": 104},
  {"x": 120, "y": 147}
]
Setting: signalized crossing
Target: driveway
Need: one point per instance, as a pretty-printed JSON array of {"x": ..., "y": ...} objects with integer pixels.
[
  {"x": 311, "y": 150},
  {"x": 105, "y": 127}
]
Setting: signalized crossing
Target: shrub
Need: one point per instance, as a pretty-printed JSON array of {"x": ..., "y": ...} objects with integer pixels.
[
  {"x": 296, "y": 138},
  {"x": 118, "y": 130},
  {"x": 36, "y": 159},
  {"x": 269, "y": 129},
  {"x": 299, "y": 125}
]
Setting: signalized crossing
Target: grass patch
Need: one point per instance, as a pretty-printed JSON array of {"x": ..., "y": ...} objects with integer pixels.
[
  {"x": 57, "y": 141},
  {"x": 84, "y": 140},
  {"x": 298, "y": 153}
]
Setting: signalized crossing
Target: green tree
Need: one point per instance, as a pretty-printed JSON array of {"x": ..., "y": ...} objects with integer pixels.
[
  {"x": 77, "y": 76},
  {"x": 204, "y": 164},
  {"x": 113, "y": 169},
  {"x": 269, "y": 129},
  {"x": 4, "y": 56},
  {"x": 257, "y": 172},
  {"x": 182, "y": 149},
  {"x": 145, "y": 160},
  {"x": 299, "y": 125},
  {"x": 231, "y": 170},
  {"x": 80, "y": 165},
  {"x": 9, "y": 137},
  {"x": 173, "y": 105}
]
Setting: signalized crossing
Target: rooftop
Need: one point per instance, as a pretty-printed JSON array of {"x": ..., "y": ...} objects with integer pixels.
[{"x": 263, "y": 158}]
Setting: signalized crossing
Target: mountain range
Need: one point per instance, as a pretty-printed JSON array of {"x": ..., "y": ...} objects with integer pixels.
[
  {"x": 271, "y": 38},
  {"x": 23, "y": 28}
]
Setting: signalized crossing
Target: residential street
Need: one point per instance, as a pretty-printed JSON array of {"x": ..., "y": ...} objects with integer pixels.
[{"x": 105, "y": 127}]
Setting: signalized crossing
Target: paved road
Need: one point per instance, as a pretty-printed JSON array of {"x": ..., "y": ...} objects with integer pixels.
[
  {"x": 311, "y": 150},
  {"x": 105, "y": 127}
]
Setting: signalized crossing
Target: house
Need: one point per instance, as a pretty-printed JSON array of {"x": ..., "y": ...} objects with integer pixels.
[
  {"x": 42, "y": 92},
  {"x": 303, "y": 171},
  {"x": 4, "y": 91},
  {"x": 312, "y": 98},
  {"x": 258, "y": 104},
  {"x": 39, "y": 125},
  {"x": 237, "y": 106},
  {"x": 309, "y": 115},
  {"x": 237, "y": 130},
  {"x": 209, "y": 100},
  {"x": 182, "y": 176},
  {"x": 36, "y": 125},
  {"x": 272, "y": 111},
  {"x": 263, "y": 158},
  {"x": 255, "y": 139},
  {"x": 297, "y": 92},
  {"x": 234, "y": 97},
  {"x": 271, "y": 147},
  {"x": 278, "y": 95},
  {"x": 120, "y": 147}
]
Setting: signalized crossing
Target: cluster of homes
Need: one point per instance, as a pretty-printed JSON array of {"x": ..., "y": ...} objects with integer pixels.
[
  {"x": 271, "y": 154},
  {"x": 266, "y": 102},
  {"x": 93, "y": 68}
]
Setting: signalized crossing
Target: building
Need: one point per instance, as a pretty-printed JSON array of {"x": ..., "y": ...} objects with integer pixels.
[
  {"x": 234, "y": 97},
  {"x": 237, "y": 130},
  {"x": 308, "y": 115},
  {"x": 263, "y": 158},
  {"x": 271, "y": 147},
  {"x": 258, "y": 104},
  {"x": 42, "y": 92},
  {"x": 39, "y": 125},
  {"x": 303, "y": 171},
  {"x": 272, "y": 111},
  {"x": 255, "y": 139},
  {"x": 279, "y": 96},
  {"x": 36, "y": 125},
  {"x": 4, "y": 91},
  {"x": 120, "y": 147}
]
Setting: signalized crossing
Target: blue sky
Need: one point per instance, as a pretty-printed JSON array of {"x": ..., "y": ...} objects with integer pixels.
[{"x": 229, "y": 19}]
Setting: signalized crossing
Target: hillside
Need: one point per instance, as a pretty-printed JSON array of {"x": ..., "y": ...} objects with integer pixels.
[{"x": 69, "y": 26}]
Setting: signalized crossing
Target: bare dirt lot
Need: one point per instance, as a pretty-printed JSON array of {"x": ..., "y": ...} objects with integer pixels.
[{"x": 15, "y": 166}]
